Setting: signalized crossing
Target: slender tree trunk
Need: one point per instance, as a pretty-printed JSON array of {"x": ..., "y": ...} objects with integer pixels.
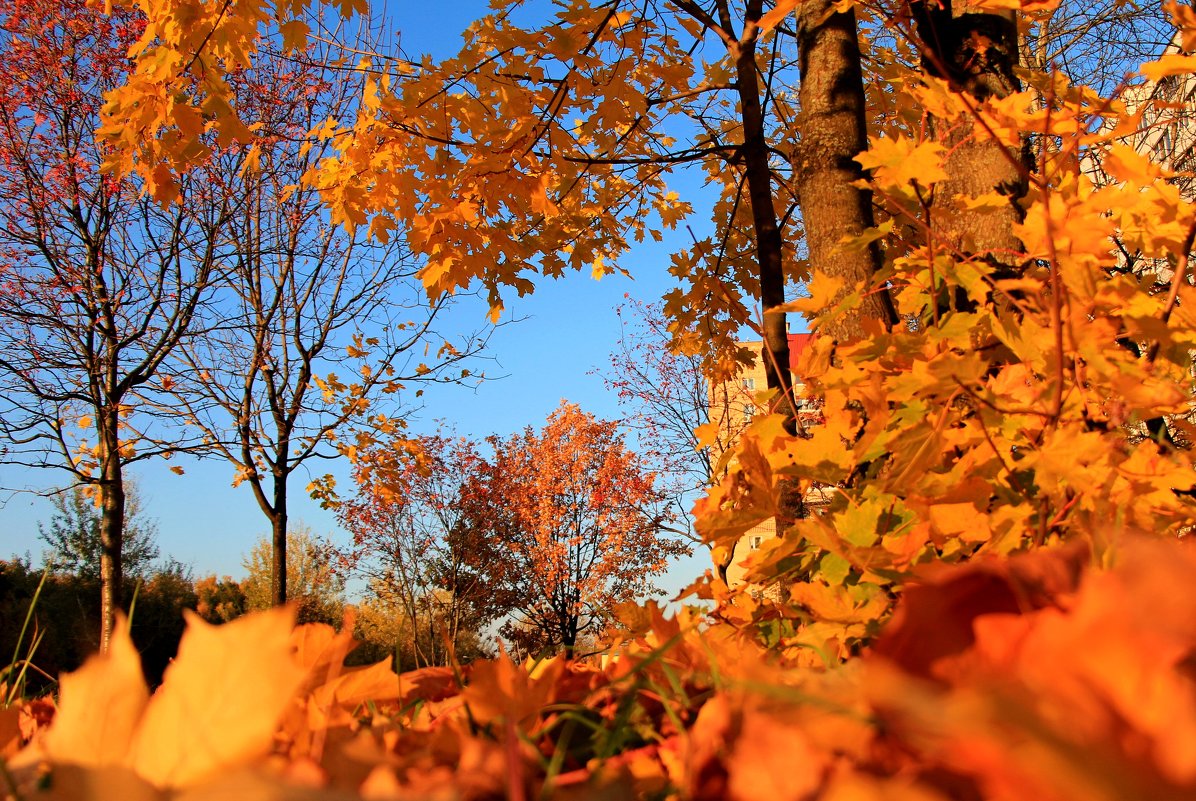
[
  {"x": 569, "y": 637},
  {"x": 769, "y": 245},
  {"x": 833, "y": 133},
  {"x": 112, "y": 525},
  {"x": 976, "y": 53},
  {"x": 769, "y": 255},
  {"x": 278, "y": 522}
]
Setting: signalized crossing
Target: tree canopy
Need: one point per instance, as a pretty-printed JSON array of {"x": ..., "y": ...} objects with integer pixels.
[
  {"x": 575, "y": 524},
  {"x": 996, "y": 265}
]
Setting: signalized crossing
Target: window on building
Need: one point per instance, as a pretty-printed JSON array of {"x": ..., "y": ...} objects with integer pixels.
[
  {"x": 749, "y": 384},
  {"x": 754, "y": 542},
  {"x": 748, "y": 413}
]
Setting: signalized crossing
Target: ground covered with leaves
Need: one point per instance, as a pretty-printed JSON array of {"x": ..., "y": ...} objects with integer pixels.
[{"x": 1035, "y": 676}]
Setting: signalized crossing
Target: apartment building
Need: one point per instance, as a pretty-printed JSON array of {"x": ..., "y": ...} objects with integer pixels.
[{"x": 733, "y": 405}]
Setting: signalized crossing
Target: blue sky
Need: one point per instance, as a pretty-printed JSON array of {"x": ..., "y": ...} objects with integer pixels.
[{"x": 565, "y": 330}]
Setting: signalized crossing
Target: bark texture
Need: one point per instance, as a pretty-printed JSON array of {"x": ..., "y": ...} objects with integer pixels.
[
  {"x": 278, "y": 524},
  {"x": 833, "y": 133},
  {"x": 112, "y": 526},
  {"x": 975, "y": 52},
  {"x": 769, "y": 245}
]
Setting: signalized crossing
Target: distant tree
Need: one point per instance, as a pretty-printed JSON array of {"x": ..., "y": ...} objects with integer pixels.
[
  {"x": 219, "y": 600},
  {"x": 385, "y": 628},
  {"x": 575, "y": 524},
  {"x": 312, "y": 582},
  {"x": 415, "y": 542},
  {"x": 73, "y": 535},
  {"x": 668, "y": 396}
]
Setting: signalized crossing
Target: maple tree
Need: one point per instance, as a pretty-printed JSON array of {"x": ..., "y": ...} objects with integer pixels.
[
  {"x": 995, "y": 604},
  {"x": 987, "y": 423},
  {"x": 574, "y": 523},
  {"x": 100, "y": 284},
  {"x": 416, "y": 540},
  {"x": 316, "y": 335}
]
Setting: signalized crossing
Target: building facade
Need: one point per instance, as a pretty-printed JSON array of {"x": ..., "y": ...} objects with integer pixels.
[{"x": 733, "y": 405}]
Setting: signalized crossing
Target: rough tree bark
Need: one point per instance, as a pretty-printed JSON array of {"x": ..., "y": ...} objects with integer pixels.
[
  {"x": 833, "y": 133},
  {"x": 758, "y": 179},
  {"x": 976, "y": 53},
  {"x": 278, "y": 524},
  {"x": 112, "y": 527}
]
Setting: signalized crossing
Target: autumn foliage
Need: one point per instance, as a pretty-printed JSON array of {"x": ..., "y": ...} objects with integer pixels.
[
  {"x": 545, "y": 535},
  {"x": 996, "y": 603},
  {"x": 1037, "y": 676},
  {"x": 576, "y": 523}
]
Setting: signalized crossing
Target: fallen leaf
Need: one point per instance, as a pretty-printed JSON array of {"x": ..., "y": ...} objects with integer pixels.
[
  {"x": 100, "y": 706},
  {"x": 220, "y": 700}
]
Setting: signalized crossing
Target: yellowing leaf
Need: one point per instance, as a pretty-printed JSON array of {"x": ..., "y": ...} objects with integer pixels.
[
  {"x": 774, "y": 18},
  {"x": 85, "y": 421},
  {"x": 773, "y": 759},
  {"x": 1124, "y": 163},
  {"x": 1026, "y": 6},
  {"x": 989, "y": 201},
  {"x": 897, "y": 163},
  {"x": 100, "y": 705},
  {"x": 706, "y": 435},
  {"x": 294, "y": 35},
  {"x": 221, "y": 699},
  {"x": 501, "y": 689},
  {"x": 823, "y": 289},
  {"x": 1170, "y": 64}
]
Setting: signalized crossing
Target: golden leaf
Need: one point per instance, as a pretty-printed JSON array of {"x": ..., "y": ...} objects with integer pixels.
[
  {"x": 221, "y": 699},
  {"x": 896, "y": 163},
  {"x": 777, "y": 15},
  {"x": 1170, "y": 64},
  {"x": 706, "y": 435},
  {"x": 100, "y": 705}
]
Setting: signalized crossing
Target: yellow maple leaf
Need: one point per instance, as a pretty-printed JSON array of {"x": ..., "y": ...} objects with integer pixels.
[
  {"x": 774, "y": 17},
  {"x": 221, "y": 699},
  {"x": 1170, "y": 64},
  {"x": 897, "y": 163},
  {"x": 706, "y": 435},
  {"x": 294, "y": 35},
  {"x": 100, "y": 705},
  {"x": 1124, "y": 163}
]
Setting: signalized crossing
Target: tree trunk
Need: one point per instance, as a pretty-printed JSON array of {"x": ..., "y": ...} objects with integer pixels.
[
  {"x": 975, "y": 52},
  {"x": 833, "y": 133},
  {"x": 569, "y": 637},
  {"x": 769, "y": 246},
  {"x": 278, "y": 523},
  {"x": 770, "y": 257},
  {"x": 112, "y": 525}
]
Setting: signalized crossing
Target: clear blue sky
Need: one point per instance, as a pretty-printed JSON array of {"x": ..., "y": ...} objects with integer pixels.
[{"x": 568, "y": 330}]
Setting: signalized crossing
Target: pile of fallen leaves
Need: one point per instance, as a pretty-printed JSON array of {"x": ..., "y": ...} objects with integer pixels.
[{"x": 1039, "y": 676}]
